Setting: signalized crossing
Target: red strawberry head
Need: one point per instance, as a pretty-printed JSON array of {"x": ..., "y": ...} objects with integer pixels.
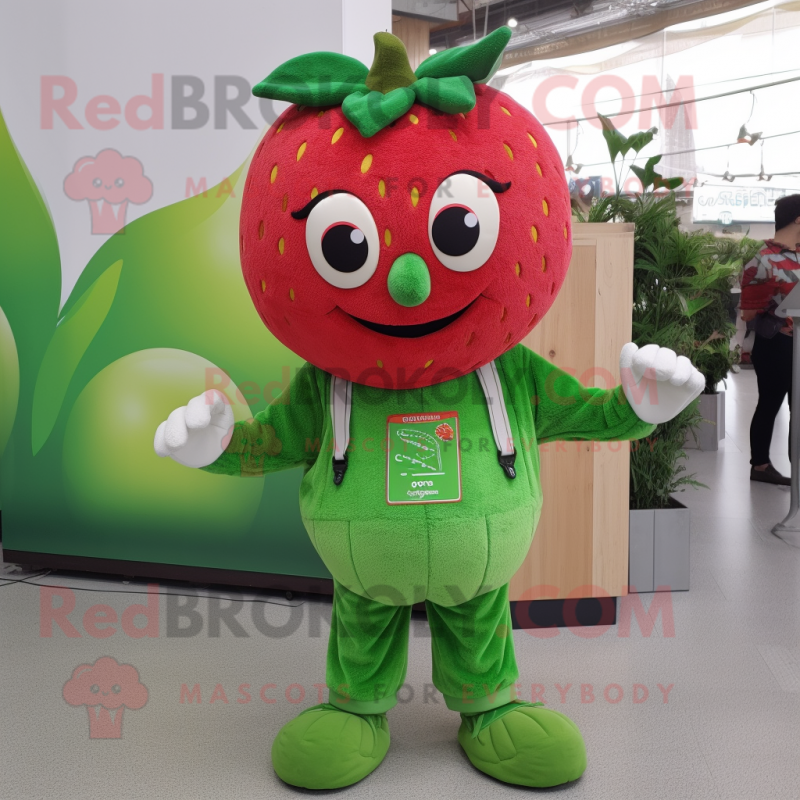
[{"x": 400, "y": 229}]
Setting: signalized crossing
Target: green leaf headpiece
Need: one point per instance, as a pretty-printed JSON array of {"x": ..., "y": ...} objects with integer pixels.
[{"x": 373, "y": 98}]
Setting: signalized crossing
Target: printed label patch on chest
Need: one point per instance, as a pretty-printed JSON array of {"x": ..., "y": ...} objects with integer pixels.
[{"x": 423, "y": 463}]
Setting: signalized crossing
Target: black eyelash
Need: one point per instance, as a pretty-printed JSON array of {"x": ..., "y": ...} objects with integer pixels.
[
  {"x": 308, "y": 207},
  {"x": 495, "y": 186}
]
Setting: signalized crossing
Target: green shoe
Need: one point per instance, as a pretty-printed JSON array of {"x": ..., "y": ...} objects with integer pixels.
[
  {"x": 326, "y": 748},
  {"x": 525, "y": 744}
]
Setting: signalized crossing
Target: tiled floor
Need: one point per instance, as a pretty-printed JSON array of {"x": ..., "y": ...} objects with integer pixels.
[{"x": 718, "y": 711}]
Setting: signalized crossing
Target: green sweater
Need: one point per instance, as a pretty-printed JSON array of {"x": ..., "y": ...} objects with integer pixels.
[{"x": 445, "y": 552}]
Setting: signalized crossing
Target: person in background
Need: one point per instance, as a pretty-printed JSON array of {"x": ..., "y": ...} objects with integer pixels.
[{"x": 766, "y": 280}]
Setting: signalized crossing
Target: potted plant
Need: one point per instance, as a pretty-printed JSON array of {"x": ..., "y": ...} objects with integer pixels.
[
  {"x": 671, "y": 268},
  {"x": 715, "y": 326}
]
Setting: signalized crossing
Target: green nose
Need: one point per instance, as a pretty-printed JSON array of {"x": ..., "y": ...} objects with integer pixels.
[{"x": 409, "y": 281}]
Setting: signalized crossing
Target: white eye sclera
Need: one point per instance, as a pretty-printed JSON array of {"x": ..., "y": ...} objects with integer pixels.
[
  {"x": 342, "y": 241},
  {"x": 464, "y": 222}
]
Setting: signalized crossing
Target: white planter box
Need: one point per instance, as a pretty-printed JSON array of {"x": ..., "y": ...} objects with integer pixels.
[
  {"x": 711, "y": 430},
  {"x": 658, "y": 555}
]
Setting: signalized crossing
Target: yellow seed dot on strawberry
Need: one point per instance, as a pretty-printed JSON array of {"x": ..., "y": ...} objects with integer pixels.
[
  {"x": 273, "y": 174},
  {"x": 387, "y": 237},
  {"x": 509, "y": 151},
  {"x": 280, "y": 127},
  {"x": 462, "y": 115},
  {"x": 517, "y": 268},
  {"x": 413, "y": 118},
  {"x": 414, "y": 196},
  {"x": 291, "y": 294},
  {"x": 505, "y": 110},
  {"x": 534, "y": 234},
  {"x": 314, "y": 192},
  {"x": 545, "y": 207},
  {"x": 319, "y": 114},
  {"x": 281, "y": 245},
  {"x": 301, "y": 150},
  {"x": 453, "y": 136},
  {"x": 544, "y": 263},
  {"x": 366, "y": 163},
  {"x": 533, "y": 141},
  {"x": 528, "y": 300},
  {"x": 261, "y": 229},
  {"x": 337, "y": 134},
  {"x": 428, "y": 363},
  {"x": 284, "y": 202},
  {"x": 381, "y": 188},
  {"x": 379, "y": 363},
  {"x": 263, "y": 286}
]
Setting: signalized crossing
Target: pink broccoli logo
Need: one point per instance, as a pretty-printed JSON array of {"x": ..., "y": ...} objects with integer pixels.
[
  {"x": 106, "y": 688},
  {"x": 109, "y": 181}
]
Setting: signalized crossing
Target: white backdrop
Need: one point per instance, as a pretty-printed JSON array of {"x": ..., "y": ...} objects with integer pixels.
[
  {"x": 749, "y": 47},
  {"x": 112, "y": 55}
]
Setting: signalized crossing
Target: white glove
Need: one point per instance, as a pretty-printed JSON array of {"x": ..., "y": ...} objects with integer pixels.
[
  {"x": 196, "y": 434},
  {"x": 658, "y": 383}
]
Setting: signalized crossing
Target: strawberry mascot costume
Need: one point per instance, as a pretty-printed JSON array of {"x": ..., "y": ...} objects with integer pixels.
[{"x": 403, "y": 231}]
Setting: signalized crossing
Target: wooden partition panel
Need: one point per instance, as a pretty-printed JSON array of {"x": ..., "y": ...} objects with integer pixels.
[
  {"x": 581, "y": 544},
  {"x": 415, "y": 35}
]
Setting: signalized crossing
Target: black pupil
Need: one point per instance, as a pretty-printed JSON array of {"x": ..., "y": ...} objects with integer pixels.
[
  {"x": 452, "y": 232},
  {"x": 345, "y": 248}
]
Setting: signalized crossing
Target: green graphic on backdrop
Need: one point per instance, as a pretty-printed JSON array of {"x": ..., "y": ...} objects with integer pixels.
[
  {"x": 159, "y": 314},
  {"x": 423, "y": 463}
]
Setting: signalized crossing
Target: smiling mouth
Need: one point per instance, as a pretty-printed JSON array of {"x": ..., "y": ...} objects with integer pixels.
[{"x": 411, "y": 331}]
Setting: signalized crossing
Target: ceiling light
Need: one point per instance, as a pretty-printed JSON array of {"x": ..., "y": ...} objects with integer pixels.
[{"x": 512, "y": 22}]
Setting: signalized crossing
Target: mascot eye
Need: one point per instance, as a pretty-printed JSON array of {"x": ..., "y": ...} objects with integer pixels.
[
  {"x": 464, "y": 222},
  {"x": 345, "y": 247},
  {"x": 342, "y": 240},
  {"x": 456, "y": 230}
]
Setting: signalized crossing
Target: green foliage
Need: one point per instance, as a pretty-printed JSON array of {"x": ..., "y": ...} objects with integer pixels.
[
  {"x": 650, "y": 178},
  {"x": 620, "y": 145},
  {"x": 681, "y": 300},
  {"x": 656, "y": 468}
]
